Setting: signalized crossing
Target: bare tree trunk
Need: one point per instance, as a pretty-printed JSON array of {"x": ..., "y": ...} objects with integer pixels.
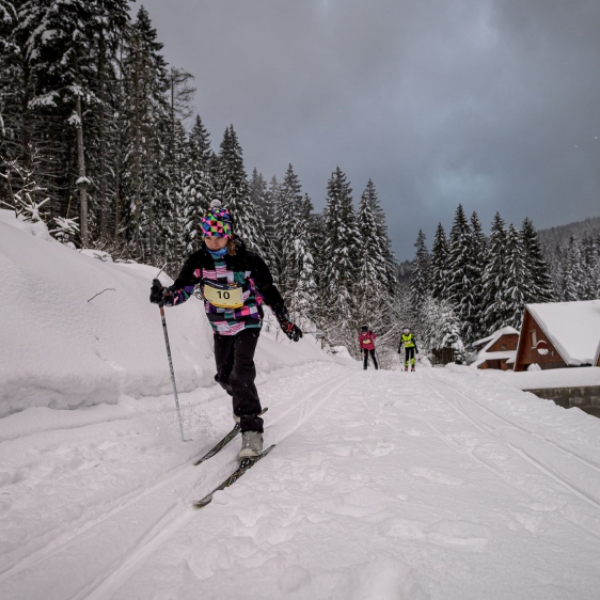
[
  {"x": 102, "y": 191},
  {"x": 137, "y": 161},
  {"x": 174, "y": 173},
  {"x": 82, "y": 183}
]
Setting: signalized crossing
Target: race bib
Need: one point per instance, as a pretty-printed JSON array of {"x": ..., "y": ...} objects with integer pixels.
[{"x": 224, "y": 295}]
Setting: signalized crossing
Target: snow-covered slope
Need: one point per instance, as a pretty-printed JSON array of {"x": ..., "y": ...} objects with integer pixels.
[
  {"x": 444, "y": 484},
  {"x": 62, "y": 347}
]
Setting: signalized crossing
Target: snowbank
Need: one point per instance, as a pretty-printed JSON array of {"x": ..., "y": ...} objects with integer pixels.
[
  {"x": 550, "y": 378},
  {"x": 78, "y": 331}
]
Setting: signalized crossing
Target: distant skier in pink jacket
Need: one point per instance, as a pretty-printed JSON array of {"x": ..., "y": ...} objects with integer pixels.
[{"x": 366, "y": 339}]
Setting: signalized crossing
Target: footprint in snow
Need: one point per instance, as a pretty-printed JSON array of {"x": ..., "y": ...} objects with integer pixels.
[
  {"x": 383, "y": 578},
  {"x": 461, "y": 535},
  {"x": 381, "y": 449},
  {"x": 435, "y": 476},
  {"x": 412, "y": 432},
  {"x": 458, "y": 535}
]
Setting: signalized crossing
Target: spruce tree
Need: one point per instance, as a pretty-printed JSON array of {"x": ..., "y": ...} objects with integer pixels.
[
  {"x": 235, "y": 192},
  {"x": 572, "y": 283},
  {"x": 538, "y": 282},
  {"x": 341, "y": 249},
  {"x": 462, "y": 274},
  {"x": 441, "y": 328},
  {"x": 419, "y": 278},
  {"x": 287, "y": 226},
  {"x": 264, "y": 212},
  {"x": 145, "y": 79},
  {"x": 62, "y": 64},
  {"x": 271, "y": 236},
  {"x": 439, "y": 278},
  {"x": 495, "y": 277},
  {"x": 515, "y": 279},
  {"x": 372, "y": 287},
  {"x": 383, "y": 237},
  {"x": 479, "y": 255},
  {"x": 198, "y": 188},
  {"x": 304, "y": 296}
]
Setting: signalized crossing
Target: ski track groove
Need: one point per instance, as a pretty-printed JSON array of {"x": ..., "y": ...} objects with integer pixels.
[
  {"x": 535, "y": 463},
  {"x": 166, "y": 525},
  {"x": 105, "y": 588},
  {"x": 559, "y": 447}
]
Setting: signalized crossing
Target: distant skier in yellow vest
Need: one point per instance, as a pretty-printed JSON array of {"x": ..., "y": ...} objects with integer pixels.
[{"x": 407, "y": 341}]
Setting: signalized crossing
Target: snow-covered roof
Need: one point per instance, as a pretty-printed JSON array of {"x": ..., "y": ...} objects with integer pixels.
[
  {"x": 489, "y": 341},
  {"x": 495, "y": 336},
  {"x": 572, "y": 327}
]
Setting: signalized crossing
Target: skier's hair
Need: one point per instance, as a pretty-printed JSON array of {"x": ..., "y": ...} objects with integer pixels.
[{"x": 232, "y": 248}]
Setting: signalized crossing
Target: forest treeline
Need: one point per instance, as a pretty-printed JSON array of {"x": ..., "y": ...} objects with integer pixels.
[
  {"x": 94, "y": 140},
  {"x": 471, "y": 284}
]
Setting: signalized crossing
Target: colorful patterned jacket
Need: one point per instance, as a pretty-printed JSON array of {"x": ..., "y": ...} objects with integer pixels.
[{"x": 246, "y": 269}]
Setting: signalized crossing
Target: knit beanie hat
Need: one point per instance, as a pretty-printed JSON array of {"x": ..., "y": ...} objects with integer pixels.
[{"x": 217, "y": 221}]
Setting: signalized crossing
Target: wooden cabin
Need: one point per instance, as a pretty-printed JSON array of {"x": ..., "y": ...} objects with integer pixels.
[
  {"x": 557, "y": 335},
  {"x": 497, "y": 351}
]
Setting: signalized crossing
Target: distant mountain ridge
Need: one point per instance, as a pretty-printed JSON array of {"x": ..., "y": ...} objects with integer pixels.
[{"x": 559, "y": 235}]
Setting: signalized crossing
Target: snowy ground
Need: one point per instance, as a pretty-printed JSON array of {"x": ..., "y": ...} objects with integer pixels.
[
  {"x": 382, "y": 485},
  {"x": 441, "y": 484}
]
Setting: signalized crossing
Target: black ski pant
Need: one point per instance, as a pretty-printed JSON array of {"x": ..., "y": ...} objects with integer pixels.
[
  {"x": 366, "y": 352},
  {"x": 409, "y": 356},
  {"x": 234, "y": 355}
]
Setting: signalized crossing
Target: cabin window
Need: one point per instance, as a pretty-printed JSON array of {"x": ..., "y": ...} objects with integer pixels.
[{"x": 533, "y": 338}]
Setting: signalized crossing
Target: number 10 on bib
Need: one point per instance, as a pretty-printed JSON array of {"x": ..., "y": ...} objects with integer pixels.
[{"x": 223, "y": 295}]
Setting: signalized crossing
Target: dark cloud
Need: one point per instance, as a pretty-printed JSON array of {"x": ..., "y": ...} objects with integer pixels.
[{"x": 492, "y": 103}]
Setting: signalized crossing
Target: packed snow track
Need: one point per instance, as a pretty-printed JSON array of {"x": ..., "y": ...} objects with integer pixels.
[{"x": 439, "y": 484}]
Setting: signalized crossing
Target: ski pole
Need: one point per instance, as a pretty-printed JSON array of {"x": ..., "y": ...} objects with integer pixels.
[{"x": 164, "y": 324}]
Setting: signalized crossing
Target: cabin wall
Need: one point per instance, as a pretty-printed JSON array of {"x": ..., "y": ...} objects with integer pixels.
[
  {"x": 531, "y": 334},
  {"x": 510, "y": 341}
]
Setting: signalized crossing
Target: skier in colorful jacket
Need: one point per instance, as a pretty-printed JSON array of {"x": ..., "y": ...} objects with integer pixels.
[
  {"x": 235, "y": 283},
  {"x": 366, "y": 340},
  {"x": 407, "y": 341}
]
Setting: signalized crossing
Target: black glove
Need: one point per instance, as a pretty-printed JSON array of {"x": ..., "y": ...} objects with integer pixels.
[
  {"x": 157, "y": 292},
  {"x": 291, "y": 330}
]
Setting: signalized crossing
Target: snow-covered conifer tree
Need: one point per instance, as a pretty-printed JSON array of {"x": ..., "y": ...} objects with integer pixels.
[
  {"x": 259, "y": 196},
  {"x": 198, "y": 189},
  {"x": 495, "y": 277},
  {"x": 515, "y": 278},
  {"x": 372, "y": 285},
  {"x": 438, "y": 279},
  {"x": 572, "y": 284},
  {"x": 287, "y": 227},
  {"x": 235, "y": 192},
  {"x": 462, "y": 274},
  {"x": 419, "y": 277},
  {"x": 341, "y": 249},
  {"x": 441, "y": 327},
  {"x": 538, "y": 283},
  {"x": 61, "y": 51},
  {"x": 304, "y": 296}
]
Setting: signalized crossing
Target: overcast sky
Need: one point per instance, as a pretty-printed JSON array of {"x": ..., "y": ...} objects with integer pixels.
[{"x": 494, "y": 104}]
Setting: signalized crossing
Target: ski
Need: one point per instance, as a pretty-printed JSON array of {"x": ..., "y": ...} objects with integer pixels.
[
  {"x": 245, "y": 464},
  {"x": 221, "y": 444}
]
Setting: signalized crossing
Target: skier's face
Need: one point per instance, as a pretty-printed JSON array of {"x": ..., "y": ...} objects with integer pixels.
[{"x": 216, "y": 243}]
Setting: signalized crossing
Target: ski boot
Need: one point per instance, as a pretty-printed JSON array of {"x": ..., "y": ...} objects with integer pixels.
[
  {"x": 252, "y": 444},
  {"x": 413, "y": 369},
  {"x": 406, "y": 369}
]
